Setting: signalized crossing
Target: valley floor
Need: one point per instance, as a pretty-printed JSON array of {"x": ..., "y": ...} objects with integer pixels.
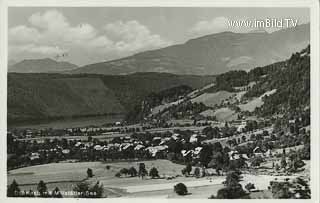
[{"x": 66, "y": 175}]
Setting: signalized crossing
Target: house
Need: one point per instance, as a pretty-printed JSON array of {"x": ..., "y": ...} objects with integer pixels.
[
  {"x": 154, "y": 150},
  {"x": 197, "y": 151},
  {"x": 98, "y": 147},
  {"x": 138, "y": 147},
  {"x": 65, "y": 151},
  {"x": 34, "y": 156},
  {"x": 193, "y": 138},
  {"x": 186, "y": 153},
  {"x": 175, "y": 136}
]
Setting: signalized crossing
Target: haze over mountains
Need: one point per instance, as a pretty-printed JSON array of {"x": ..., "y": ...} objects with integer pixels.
[
  {"x": 45, "y": 65},
  {"x": 211, "y": 54}
]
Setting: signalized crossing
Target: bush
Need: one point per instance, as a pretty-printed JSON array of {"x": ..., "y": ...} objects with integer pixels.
[
  {"x": 89, "y": 173},
  {"x": 234, "y": 192},
  {"x": 180, "y": 189},
  {"x": 154, "y": 173},
  {"x": 250, "y": 186},
  {"x": 132, "y": 172},
  {"x": 118, "y": 175},
  {"x": 124, "y": 171}
]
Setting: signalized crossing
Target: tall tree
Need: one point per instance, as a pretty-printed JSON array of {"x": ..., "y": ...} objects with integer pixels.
[{"x": 13, "y": 189}]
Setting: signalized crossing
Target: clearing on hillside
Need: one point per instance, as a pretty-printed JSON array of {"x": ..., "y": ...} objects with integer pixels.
[
  {"x": 212, "y": 99},
  {"x": 256, "y": 102}
]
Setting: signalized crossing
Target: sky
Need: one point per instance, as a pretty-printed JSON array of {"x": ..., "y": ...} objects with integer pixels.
[{"x": 85, "y": 35}]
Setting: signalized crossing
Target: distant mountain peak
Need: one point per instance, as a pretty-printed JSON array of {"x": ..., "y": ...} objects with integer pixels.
[{"x": 43, "y": 65}]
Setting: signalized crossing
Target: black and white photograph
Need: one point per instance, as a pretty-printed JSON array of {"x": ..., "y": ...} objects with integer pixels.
[{"x": 160, "y": 102}]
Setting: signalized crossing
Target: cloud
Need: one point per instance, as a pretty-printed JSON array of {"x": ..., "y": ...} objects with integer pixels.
[
  {"x": 37, "y": 49},
  {"x": 51, "y": 33},
  {"x": 134, "y": 36},
  {"x": 218, "y": 24},
  {"x": 22, "y": 33}
]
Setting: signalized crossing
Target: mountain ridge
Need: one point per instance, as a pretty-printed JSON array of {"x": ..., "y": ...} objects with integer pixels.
[{"x": 210, "y": 54}]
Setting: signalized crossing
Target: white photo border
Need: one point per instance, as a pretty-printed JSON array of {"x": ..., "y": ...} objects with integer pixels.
[{"x": 315, "y": 85}]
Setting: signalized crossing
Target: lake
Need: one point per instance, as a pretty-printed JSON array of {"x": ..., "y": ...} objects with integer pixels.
[{"x": 71, "y": 122}]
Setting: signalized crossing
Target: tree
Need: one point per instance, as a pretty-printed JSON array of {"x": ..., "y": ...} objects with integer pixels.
[
  {"x": 13, "y": 189},
  {"x": 187, "y": 169},
  {"x": 244, "y": 138},
  {"x": 205, "y": 155},
  {"x": 89, "y": 173},
  {"x": 233, "y": 189},
  {"x": 197, "y": 172},
  {"x": 219, "y": 161},
  {"x": 280, "y": 190},
  {"x": 180, "y": 189},
  {"x": 283, "y": 162},
  {"x": 96, "y": 190},
  {"x": 142, "y": 170},
  {"x": 56, "y": 193},
  {"x": 232, "y": 179},
  {"x": 132, "y": 172},
  {"x": 235, "y": 192},
  {"x": 82, "y": 189},
  {"x": 256, "y": 161},
  {"x": 154, "y": 173},
  {"x": 42, "y": 189}
]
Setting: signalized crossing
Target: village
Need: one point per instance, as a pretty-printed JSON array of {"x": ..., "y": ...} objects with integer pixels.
[{"x": 208, "y": 149}]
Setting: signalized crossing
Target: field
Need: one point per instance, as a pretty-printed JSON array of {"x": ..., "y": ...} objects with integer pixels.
[
  {"x": 254, "y": 103},
  {"x": 225, "y": 114},
  {"x": 66, "y": 175}
]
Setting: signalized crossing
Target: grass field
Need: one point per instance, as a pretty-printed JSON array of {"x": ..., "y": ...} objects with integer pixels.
[
  {"x": 254, "y": 103},
  {"x": 225, "y": 114},
  {"x": 66, "y": 175}
]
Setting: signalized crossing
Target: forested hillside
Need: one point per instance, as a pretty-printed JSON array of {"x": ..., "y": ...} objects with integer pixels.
[
  {"x": 47, "y": 96},
  {"x": 292, "y": 81}
]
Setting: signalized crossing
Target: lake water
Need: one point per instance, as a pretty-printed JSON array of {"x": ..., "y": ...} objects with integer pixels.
[{"x": 72, "y": 122}]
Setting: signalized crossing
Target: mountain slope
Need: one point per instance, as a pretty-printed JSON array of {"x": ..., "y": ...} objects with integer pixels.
[
  {"x": 46, "y": 96},
  {"x": 46, "y": 65},
  {"x": 281, "y": 88},
  {"x": 211, "y": 54}
]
